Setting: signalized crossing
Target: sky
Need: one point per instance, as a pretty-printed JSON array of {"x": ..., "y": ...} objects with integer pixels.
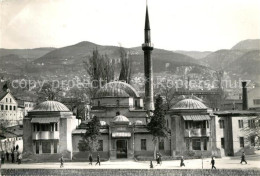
[{"x": 197, "y": 25}]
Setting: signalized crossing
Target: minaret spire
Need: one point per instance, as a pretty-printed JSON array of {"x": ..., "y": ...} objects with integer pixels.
[{"x": 148, "y": 64}]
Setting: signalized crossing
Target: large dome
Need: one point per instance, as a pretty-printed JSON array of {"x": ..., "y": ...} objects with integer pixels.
[
  {"x": 120, "y": 118},
  {"x": 51, "y": 106},
  {"x": 117, "y": 89},
  {"x": 189, "y": 104}
]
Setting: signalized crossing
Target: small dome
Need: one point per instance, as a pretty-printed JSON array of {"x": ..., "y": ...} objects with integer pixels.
[
  {"x": 120, "y": 118},
  {"x": 189, "y": 104},
  {"x": 117, "y": 89},
  {"x": 138, "y": 122},
  {"x": 51, "y": 106},
  {"x": 103, "y": 123}
]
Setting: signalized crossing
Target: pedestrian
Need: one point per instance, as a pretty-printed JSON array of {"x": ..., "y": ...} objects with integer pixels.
[
  {"x": 213, "y": 163},
  {"x": 7, "y": 155},
  {"x": 157, "y": 158},
  {"x": 61, "y": 161},
  {"x": 151, "y": 164},
  {"x": 90, "y": 158},
  {"x": 12, "y": 156},
  {"x": 20, "y": 158},
  {"x": 243, "y": 158},
  {"x": 182, "y": 162},
  {"x": 3, "y": 157},
  {"x": 98, "y": 159},
  {"x": 160, "y": 159}
]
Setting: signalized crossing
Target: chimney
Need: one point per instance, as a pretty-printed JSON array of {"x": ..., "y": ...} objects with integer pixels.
[{"x": 244, "y": 95}]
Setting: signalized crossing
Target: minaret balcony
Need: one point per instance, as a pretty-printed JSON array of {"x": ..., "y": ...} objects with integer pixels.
[{"x": 147, "y": 45}]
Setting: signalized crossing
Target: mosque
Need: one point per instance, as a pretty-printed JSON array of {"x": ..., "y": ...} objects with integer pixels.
[{"x": 51, "y": 129}]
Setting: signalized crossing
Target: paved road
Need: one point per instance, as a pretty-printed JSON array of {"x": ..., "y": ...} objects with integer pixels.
[{"x": 222, "y": 163}]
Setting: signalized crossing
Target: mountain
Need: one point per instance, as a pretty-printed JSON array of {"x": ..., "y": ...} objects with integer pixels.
[
  {"x": 195, "y": 54},
  {"x": 70, "y": 58},
  {"x": 250, "y": 44},
  {"x": 29, "y": 54},
  {"x": 221, "y": 59}
]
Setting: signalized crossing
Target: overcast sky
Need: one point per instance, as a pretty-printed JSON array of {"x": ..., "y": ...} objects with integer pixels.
[{"x": 175, "y": 24}]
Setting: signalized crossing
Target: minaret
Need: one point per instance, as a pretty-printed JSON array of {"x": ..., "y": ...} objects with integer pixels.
[{"x": 148, "y": 65}]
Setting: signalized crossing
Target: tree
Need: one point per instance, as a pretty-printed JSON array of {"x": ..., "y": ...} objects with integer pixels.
[
  {"x": 89, "y": 140},
  {"x": 157, "y": 126},
  {"x": 49, "y": 91},
  {"x": 100, "y": 68},
  {"x": 126, "y": 66}
]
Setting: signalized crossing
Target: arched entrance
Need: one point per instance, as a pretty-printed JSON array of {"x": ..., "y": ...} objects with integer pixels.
[{"x": 121, "y": 148}]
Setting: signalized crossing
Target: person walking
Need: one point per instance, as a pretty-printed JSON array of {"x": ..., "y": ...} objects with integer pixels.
[
  {"x": 7, "y": 155},
  {"x": 243, "y": 158},
  {"x": 160, "y": 159},
  {"x": 20, "y": 158},
  {"x": 90, "y": 158},
  {"x": 61, "y": 161},
  {"x": 12, "y": 156},
  {"x": 182, "y": 162},
  {"x": 157, "y": 158},
  {"x": 213, "y": 163},
  {"x": 98, "y": 159}
]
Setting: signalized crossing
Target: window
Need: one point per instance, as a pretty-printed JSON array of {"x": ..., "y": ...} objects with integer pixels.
[
  {"x": 117, "y": 102},
  {"x": 14, "y": 108},
  {"x": 100, "y": 143},
  {"x": 205, "y": 144},
  {"x": 241, "y": 141},
  {"x": 256, "y": 101},
  {"x": 240, "y": 124},
  {"x": 196, "y": 144},
  {"x": 37, "y": 147},
  {"x": 221, "y": 124},
  {"x": 6, "y": 100},
  {"x": 143, "y": 144},
  {"x": 46, "y": 147},
  {"x": 222, "y": 143},
  {"x": 34, "y": 127},
  {"x": 136, "y": 103},
  {"x": 252, "y": 141},
  {"x": 98, "y": 103},
  {"x": 2, "y": 107},
  {"x": 161, "y": 145},
  {"x": 10, "y": 107},
  {"x": 187, "y": 141},
  {"x": 56, "y": 126},
  {"x": 186, "y": 125},
  {"x": 251, "y": 123},
  {"x": 10, "y": 100},
  {"x": 6, "y": 107},
  {"x": 55, "y": 147}
]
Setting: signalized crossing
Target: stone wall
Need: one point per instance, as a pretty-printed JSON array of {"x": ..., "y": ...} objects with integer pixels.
[{"x": 127, "y": 172}]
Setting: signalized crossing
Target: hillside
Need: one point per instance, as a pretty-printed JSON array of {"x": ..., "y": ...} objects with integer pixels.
[
  {"x": 250, "y": 44},
  {"x": 195, "y": 54}
]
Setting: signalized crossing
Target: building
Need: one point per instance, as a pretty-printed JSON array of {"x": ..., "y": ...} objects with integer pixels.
[
  {"x": 254, "y": 98},
  {"x": 123, "y": 120},
  {"x": 231, "y": 137},
  {"x": 8, "y": 108},
  {"x": 48, "y": 129},
  {"x": 192, "y": 129}
]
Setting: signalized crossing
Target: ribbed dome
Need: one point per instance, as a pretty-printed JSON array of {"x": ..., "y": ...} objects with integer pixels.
[
  {"x": 103, "y": 123},
  {"x": 189, "y": 104},
  {"x": 120, "y": 118},
  {"x": 117, "y": 89},
  {"x": 51, "y": 106},
  {"x": 138, "y": 122}
]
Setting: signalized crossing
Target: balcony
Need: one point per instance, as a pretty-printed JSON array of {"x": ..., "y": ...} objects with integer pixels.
[
  {"x": 197, "y": 132},
  {"x": 45, "y": 135}
]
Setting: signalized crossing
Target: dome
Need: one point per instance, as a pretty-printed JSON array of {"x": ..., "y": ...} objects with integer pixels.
[
  {"x": 117, "y": 89},
  {"x": 51, "y": 106},
  {"x": 103, "y": 123},
  {"x": 120, "y": 118},
  {"x": 138, "y": 122},
  {"x": 189, "y": 104}
]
